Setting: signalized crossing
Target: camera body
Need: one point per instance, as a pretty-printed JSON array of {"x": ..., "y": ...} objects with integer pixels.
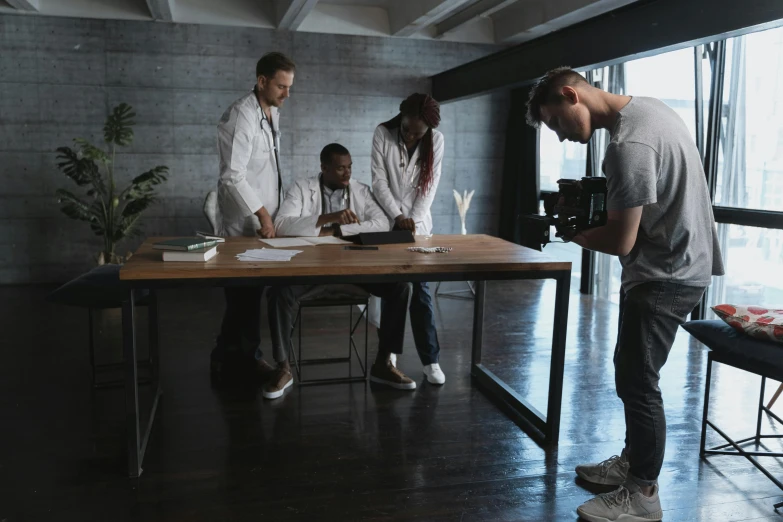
[{"x": 578, "y": 205}]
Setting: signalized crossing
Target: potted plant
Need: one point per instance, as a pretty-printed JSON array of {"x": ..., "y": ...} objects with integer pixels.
[{"x": 113, "y": 214}]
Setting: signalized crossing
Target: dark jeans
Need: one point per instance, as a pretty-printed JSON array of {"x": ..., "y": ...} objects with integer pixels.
[
  {"x": 650, "y": 315},
  {"x": 425, "y": 335},
  {"x": 284, "y": 304},
  {"x": 423, "y": 324},
  {"x": 240, "y": 332}
]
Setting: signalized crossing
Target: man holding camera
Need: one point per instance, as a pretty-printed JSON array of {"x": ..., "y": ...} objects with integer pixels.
[{"x": 660, "y": 224}]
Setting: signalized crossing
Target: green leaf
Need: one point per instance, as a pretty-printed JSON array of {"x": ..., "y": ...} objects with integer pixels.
[
  {"x": 137, "y": 206},
  {"x": 98, "y": 229},
  {"x": 91, "y": 152},
  {"x": 81, "y": 170},
  {"x": 144, "y": 184},
  {"x": 118, "y": 125},
  {"x": 127, "y": 227},
  {"x": 75, "y": 208}
]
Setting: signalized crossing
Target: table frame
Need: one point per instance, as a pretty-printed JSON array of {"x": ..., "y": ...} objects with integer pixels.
[{"x": 542, "y": 428}]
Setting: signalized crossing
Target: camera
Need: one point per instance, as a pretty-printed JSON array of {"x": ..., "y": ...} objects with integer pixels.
[{"x": 579, "y": 204}]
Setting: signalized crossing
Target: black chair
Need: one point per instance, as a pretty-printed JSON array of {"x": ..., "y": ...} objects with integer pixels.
[
  {"x": 733, "y": 348},
  {"x": 99, "y": 289},
  {"x": 326, "y": 297}
]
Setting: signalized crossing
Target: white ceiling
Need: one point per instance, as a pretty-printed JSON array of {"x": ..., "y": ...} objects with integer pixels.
[{"x": 480, "y": 21}]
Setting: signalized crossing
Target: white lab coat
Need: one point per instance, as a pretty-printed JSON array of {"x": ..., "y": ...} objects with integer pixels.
[
  {"x": 394, "y": 186},
  {"x": 248, "y": 171},
  {"x": 302, "y": 206}
]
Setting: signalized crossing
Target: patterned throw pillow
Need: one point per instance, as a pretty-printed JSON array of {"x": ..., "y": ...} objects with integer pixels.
[{"x": 759, "y": 322}]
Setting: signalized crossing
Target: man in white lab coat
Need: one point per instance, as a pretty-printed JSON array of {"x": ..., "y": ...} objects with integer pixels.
[
  {"x": 407, "y": 153},
  {"x": 248, "y": 196},
  {"x": 332, "y": 204}
]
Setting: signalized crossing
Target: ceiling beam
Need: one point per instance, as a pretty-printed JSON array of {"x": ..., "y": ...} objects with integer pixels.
[
  {"x": 482, "y": 8},
  {"x": 645, "y": 28},
  {"x": 160, "y": 10},
  {"x": 533, "y": 18},
  {"x": 407, "y": 17},
  {"x": 291, "y": 13},
  {"x": 24, "y": 5}
]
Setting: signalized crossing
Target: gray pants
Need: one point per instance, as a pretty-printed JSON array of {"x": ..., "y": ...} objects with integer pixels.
[
  {"x": 650, "y": 315},
  {"x": 284, "y": 305}
]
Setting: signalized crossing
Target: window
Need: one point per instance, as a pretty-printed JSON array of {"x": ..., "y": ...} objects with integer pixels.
[
  {"x": 559, "y": 160},
  {"x": 752, "y": 260},
  {"x": 750, "y": 172},
  {"x": 669, "y": 77},
  {"x": 566, "y": 160}
]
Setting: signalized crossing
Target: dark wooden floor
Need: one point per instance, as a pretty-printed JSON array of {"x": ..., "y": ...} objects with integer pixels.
[{"x": 348, "y": 452}]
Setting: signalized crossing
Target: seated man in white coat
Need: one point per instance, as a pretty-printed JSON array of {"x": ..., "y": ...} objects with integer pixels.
[{"x": 331, "y": 204}]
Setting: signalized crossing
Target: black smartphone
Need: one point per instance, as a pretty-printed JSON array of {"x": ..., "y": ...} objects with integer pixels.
[{"x": 360, "y": 247}]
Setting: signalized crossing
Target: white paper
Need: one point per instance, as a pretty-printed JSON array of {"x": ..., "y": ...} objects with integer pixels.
[
  {"x": 279, "y": 242},
  {"x": 267, "y": 254},
  {"x": 328, "y": 240}
]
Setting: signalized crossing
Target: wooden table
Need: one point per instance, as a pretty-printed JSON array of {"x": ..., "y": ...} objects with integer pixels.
[{"x": 476, "y": 258}]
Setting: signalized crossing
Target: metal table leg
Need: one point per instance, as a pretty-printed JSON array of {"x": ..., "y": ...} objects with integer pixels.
[
  {"x": 137, "y": 444},
  {"x": 543, "y": 428}
]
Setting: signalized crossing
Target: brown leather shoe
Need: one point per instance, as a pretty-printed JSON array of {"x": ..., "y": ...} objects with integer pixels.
[
  {"x": 264, "y": 370},
  {"x": 386, "y": 373},
  {"x": 277, "y": 384}
]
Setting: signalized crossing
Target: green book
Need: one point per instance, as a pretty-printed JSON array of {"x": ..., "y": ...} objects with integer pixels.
[{"x": 184, "y": 243}]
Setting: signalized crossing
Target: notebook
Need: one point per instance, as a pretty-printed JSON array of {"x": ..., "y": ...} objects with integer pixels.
[
  {"x": 200, "y": 254},
  {"x": 184, "y": 243},
  {"x": 210, "y": 237}
]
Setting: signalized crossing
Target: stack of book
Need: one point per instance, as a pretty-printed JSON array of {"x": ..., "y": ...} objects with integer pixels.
[{"x": 187, "y": 249}]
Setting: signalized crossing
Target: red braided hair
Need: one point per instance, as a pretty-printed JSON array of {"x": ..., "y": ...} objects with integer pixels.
[{"x": 425, "y": 108}]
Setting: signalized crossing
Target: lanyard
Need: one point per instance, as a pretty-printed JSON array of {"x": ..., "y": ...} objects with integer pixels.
[{"x": 346, "y": 195}]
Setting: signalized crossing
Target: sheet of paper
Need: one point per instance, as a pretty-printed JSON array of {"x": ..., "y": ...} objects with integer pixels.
[
  {"x": 328, "y": 240},
  {"x": 267, "y": 254},
  {"x": 284, "y": 242}
]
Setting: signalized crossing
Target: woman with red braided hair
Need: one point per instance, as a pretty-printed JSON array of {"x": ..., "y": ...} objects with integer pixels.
[{"x": 407, "y": 153}]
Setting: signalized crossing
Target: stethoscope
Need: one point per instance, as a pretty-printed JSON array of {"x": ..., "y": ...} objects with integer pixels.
[
  {"x": 271, "y": 128},
  {"x": 404, "y": 157},
  {"x": 346, "y": 195},
  {"x": 274, "y": 145}
]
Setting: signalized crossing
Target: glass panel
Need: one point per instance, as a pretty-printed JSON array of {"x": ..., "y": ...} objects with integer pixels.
[
  {"x": 750, "y": 173},
  {"x": 559, "y": 160},
  {"x": 567, "y": 252},
  {"x": 670, "y": 78},
  {"x": 752, "y": 260}
]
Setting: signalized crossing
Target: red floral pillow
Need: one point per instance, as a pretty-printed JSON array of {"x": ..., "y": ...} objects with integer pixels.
[{"x": 759, "y": 322}]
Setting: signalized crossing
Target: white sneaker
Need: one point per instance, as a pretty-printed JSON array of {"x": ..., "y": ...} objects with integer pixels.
[
  {"x": 624, "y": 504},
  {"x": 611, "y": 472},
  {"x": 434, "y": 374}
]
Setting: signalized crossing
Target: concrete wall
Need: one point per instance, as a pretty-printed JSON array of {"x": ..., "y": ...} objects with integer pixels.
[{"x": 60, "y": 77}]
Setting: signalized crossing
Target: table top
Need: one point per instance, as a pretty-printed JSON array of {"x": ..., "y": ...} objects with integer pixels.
[{"x": 476, "y": 257}]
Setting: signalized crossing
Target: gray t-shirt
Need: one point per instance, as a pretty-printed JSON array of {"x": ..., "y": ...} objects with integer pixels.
[{"x": 652, "y": 161}]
